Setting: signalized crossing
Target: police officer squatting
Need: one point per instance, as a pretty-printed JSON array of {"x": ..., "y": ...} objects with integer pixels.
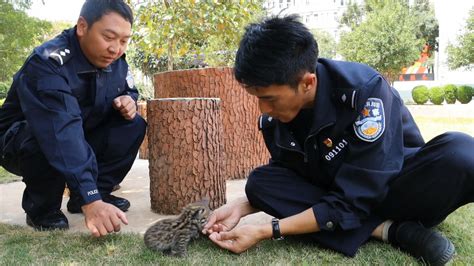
[
  {"x": 347, "y": 160},
  {"x": 70, "y": 118}
]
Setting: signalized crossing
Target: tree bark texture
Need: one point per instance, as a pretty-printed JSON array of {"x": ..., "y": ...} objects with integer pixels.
[
  {"x": 143, "y": 151},
  {"x": 185, "y": 153},
  {"x": 244, "y": 148}
]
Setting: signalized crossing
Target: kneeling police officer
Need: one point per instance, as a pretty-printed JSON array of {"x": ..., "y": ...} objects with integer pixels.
[
  {"x": 70, "y": 118},
  {"x": 347, "y": 159}
]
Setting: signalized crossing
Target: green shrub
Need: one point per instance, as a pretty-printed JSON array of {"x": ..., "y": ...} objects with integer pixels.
[
  {"x": 420, "y": 94},
  {"x": 4, "y": 87},
  {"x": 450, "y": 93},
  {"x": 2, "y": 101},
  {"x": 437, "y": 95},
  {"x": 464, "y": 94}
]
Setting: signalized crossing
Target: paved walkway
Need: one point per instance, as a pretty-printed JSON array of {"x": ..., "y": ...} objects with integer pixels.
[{"x": 135, "y": 188}]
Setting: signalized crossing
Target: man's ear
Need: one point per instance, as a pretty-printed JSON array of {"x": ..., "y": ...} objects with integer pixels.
[
  {"x": 81, "y": 26},
  {"x": 309, "y": 81}
]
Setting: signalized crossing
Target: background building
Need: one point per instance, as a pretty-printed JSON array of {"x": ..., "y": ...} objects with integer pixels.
[{"x": 320, "y": 14}]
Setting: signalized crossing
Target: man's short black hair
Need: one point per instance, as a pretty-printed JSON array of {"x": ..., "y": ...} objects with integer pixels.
[
  {"x": 278, "y": 50},
  {"x": 93, "y": 10}
]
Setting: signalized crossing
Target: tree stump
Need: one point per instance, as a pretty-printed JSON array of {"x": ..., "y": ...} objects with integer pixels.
[
  {"x": 185, "y": 150},
  {"x": 143, "y": 150},
  {"x": 244, "y": 148}
]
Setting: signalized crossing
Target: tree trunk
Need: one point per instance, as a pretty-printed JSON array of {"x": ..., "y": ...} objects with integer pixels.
[
  {"x": 185, "y": 153},
  {"x": 244, "y": 148},
  {"x": 143, "y": 151},
  {"x": 170, "y": 55}
]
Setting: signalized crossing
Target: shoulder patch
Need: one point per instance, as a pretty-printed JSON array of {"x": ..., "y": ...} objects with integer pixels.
[
  {"x": 265, "y": 121},
  {"x": 130, "y": 80},
  {"x": 61, "y": 56},
  {"x": 370, "y": 123}
]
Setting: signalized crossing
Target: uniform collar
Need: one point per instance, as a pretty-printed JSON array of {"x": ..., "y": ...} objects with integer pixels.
[
  {"x": 324, "y": 109},
  {"x": 83, "y": 65}
]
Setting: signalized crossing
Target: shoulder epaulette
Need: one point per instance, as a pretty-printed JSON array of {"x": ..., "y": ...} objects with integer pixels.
[
  {"x": 61, "y": 56},
  {"x": 265, "y": 121},
  {"x": 346, "y": 96}
]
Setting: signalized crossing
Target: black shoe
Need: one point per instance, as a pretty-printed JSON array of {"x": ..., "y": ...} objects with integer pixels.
[
  {"x": 121, "y": 203},
  {"x": 424, "y": 244},
  {"x": 55, "y": 220},
  {"x": 73, "y": 205}
]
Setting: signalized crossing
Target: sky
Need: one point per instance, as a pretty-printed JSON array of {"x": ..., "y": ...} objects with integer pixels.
[{"x": 54, "y": 10}]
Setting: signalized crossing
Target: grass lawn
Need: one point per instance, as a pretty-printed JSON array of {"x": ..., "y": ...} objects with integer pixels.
[
  {"x": 6, "y": 177},
  {"x": 23, "y": 246}
]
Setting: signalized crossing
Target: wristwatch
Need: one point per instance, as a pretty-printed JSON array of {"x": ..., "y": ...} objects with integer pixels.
[{"x": 276, "y": 234}]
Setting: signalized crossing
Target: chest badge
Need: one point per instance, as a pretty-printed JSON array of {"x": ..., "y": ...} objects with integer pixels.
[
  {"x": 328, "y": 142},
  {"x": 370, "y": 124}
]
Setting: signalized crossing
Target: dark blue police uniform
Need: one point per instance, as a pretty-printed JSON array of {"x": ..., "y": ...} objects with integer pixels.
[
  {"x": 58, "y": 125},
  {"x": 357, "y": 158}
]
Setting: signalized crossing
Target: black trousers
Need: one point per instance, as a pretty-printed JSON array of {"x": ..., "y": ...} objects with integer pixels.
[
  {"x": 115, "y": 144},
  {"x": 434, "y": 182}
]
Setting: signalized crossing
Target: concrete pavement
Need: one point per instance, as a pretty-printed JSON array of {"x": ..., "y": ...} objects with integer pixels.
[{"x": 135, "y": 188}]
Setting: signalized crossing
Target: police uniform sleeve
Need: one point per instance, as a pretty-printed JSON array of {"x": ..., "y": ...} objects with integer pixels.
[
  {"x": 374, "y": 156},
  {"x": 54, "y": 117}
]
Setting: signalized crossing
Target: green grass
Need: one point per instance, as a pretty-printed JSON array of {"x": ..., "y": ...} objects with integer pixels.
[
  {"x": 433, "y": 126},
  {"x": 6, "y": 177},
  {"x": 23, "y": 246}
]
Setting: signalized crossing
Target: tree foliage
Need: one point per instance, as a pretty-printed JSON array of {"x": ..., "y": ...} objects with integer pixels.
[
  {"x": 386, "y": 40},
  {"x": 168, "y": 31},
  {"x": 326, "y": 43},
  {"x": 19, "y": 33},
  {"x": 462, "y": 54}
]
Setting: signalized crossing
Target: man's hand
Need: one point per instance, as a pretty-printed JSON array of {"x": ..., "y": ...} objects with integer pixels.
[
  {"x": 222, "y": 219},
  {"x": 228, "y": 216},
  {"x": 126, "y": 106},
  {"x": 241, "y": 238},
  {"x": 102, "y": 218}
]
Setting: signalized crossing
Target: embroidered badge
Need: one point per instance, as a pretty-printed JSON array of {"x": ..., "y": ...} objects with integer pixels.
[
  {"x": 130, "y": 81},
  {"x": 370, "y": 124}
]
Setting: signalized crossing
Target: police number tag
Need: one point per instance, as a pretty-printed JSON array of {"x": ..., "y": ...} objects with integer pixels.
[{"x": 370, "y": 124}]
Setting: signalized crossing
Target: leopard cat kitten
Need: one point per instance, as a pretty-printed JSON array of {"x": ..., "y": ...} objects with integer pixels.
[{"x": 172, "y": 236}]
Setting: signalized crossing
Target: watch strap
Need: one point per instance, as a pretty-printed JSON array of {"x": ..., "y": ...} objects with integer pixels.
[{"x": 276, "y": 234}]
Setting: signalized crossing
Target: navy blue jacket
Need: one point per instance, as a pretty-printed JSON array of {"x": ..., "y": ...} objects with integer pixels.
[
  {"x": 62, "y": 97},
  {"x": 357, "y": 136}
]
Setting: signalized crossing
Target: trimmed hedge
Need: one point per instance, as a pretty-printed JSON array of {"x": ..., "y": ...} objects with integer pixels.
[
  {"x": 464, "y": 94},
  {"x": 450, "y": 93},
  {"x": 437, "y": 95},
  {"x": 420, "y": 94}
]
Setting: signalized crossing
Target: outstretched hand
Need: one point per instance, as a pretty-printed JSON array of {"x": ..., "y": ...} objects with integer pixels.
[
  {"x": 103, "y": 218},
  {"x": 222, "y": 219},
  {"x": 239, "y": 239}
]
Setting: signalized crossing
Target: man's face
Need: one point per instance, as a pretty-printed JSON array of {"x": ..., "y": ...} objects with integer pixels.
[
  {"x": 106, "y": 40},
  {"x": 283, "y": 102}
]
